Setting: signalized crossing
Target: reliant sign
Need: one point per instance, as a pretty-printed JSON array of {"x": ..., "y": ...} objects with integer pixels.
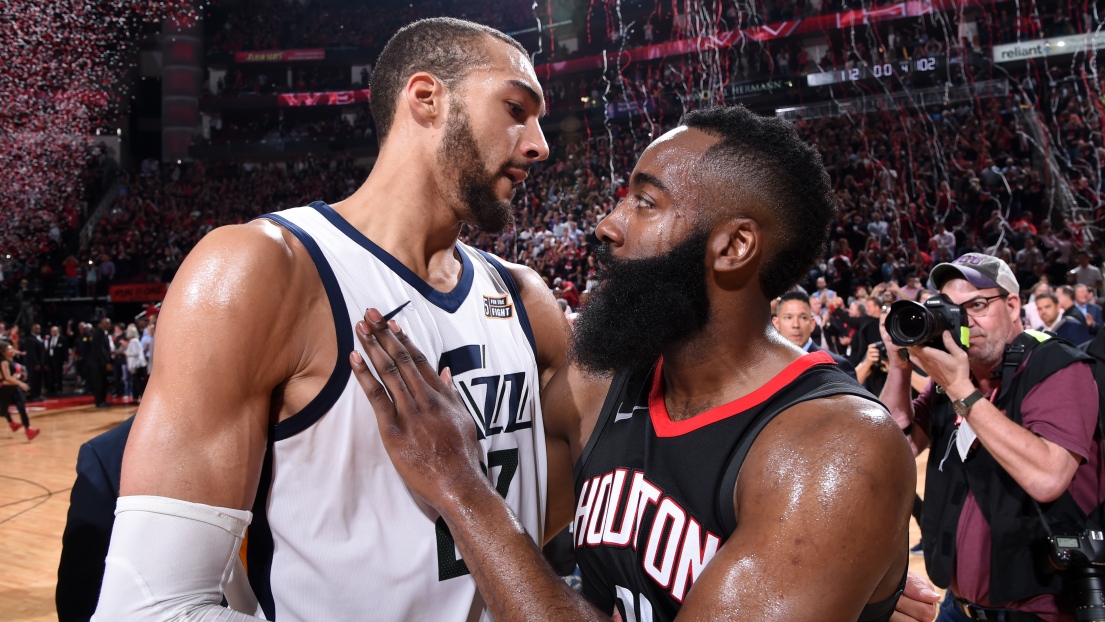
[{"x": 1040, "y": 48}]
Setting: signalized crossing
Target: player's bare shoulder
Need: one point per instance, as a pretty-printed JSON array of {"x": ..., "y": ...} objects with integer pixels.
[
  {"x": 550, "y": 327},
  {"x": 840, "y": 428},
  {"x": 242, "y": 268},
  {"x": 535, "y": 293},
  {"x": 242, "y": 285},
  {"x": 843, "y": 443}
]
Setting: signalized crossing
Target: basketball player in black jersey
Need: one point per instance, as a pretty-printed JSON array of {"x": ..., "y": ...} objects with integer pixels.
[{"x": 676, "y": 369}]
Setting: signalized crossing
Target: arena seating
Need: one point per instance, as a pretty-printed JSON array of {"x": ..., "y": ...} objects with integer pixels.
[{"x": 980, "y": 168}]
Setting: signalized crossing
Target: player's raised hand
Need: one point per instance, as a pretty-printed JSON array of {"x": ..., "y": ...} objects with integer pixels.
[{"x": 428, "y": 433}]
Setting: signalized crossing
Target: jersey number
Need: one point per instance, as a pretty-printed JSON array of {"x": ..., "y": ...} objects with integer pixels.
[
  {"x": 643, "y": 613},
  {"x": 449, "y": 565}
]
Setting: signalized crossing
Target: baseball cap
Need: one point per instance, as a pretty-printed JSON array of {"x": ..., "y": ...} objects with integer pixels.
[{"x": 980, "y": 270}]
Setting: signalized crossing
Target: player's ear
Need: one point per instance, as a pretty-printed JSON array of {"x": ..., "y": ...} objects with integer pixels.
[
  {"x": 425, "y": 98},
  {"x": 734, "y": 245}
]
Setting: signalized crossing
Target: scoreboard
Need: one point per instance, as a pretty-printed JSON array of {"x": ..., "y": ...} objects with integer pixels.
[{"x": 894, "y": 69}]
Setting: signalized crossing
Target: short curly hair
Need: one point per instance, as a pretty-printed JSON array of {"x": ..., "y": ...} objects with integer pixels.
[
  {"x": 446, "y": 47},
  {"x": 766, "y": 156}
]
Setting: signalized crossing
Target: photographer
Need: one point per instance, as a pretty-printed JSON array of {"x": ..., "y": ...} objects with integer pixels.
[{"x": 1011, "y": 426}]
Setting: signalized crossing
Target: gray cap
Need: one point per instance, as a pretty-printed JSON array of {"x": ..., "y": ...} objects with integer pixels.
[{"x": 982, "y": 271}]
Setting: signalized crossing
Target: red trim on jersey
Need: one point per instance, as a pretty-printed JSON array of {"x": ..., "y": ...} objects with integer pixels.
[{"x": 666, "y": 428}]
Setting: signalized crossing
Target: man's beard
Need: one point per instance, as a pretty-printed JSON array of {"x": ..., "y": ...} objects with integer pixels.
[
  {"x": 460, "y": 155},
  {"x": 641, "y": 307}
]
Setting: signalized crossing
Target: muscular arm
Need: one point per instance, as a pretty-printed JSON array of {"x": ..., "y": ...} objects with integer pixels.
[
  {"x": 896, "y": 396},
  {"x": 547, "y": 321},
  {"x": 225, "y": 338},
  {"x": 230, "y": 348},
  {"x": 917, "y": 382},
  {"x": 898, "y": 400}
]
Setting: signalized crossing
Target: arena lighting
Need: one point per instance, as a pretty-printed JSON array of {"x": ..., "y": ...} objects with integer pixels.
[
  {"x": 90, "y": 262},
  {"x": 119, "y": 131}
]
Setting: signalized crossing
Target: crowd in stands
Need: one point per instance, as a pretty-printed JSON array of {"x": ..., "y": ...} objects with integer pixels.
[
  {"x": 30, "y": 237},
  {"x": 291, "y": 24},
  {"x": 915, "y": 187},
  {"x": 276, "y": 126},
  {"x": 162, "y": 212},
  {"x": 254, "y": 81},
  {"x": 894, "y": 224}
]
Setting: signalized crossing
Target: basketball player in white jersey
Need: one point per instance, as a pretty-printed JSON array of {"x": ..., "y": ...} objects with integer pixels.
[{"x": 253, "y": 416}]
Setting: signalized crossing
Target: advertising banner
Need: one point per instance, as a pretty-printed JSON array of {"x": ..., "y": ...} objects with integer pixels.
[
  {"x": 1056, "y": 46},
  {"x": 325, "y": 98},
  {"x": 278, "y": 56},
  {"x": 137, "y": 292}
]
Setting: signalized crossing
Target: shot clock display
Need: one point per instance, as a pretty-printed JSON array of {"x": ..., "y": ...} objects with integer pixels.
[{"x": 881, "y": 70}]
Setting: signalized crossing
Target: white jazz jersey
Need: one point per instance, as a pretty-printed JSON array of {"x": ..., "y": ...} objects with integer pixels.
[{"x": 336, "y": 534}]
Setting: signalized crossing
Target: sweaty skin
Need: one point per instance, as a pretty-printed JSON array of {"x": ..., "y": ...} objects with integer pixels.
[{"x": 823, "y": 499}]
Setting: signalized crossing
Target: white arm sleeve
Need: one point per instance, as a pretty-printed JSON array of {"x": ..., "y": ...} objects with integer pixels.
[{"x": 171, "y": 560}]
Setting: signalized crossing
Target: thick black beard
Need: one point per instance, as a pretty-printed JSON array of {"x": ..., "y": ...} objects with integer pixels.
[
  {"x": 476, "y": 186},
  {"x": 641, "y": 307}
]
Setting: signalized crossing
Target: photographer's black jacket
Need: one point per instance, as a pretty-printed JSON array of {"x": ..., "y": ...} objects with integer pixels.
[{"x": 1018, "y": 534}]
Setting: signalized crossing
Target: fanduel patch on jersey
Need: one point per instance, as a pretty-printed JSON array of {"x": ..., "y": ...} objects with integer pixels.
[{"x": 497, "y": 308}]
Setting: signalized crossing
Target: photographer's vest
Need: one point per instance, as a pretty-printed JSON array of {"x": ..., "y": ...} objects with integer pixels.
[{"x": 1017, "y": 530}]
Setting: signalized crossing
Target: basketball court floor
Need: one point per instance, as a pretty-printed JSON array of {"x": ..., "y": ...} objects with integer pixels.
[{"x": 35, "y": 480}]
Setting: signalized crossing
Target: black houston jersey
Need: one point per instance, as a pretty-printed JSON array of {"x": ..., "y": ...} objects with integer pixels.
[{"x": 655, "y": 496}]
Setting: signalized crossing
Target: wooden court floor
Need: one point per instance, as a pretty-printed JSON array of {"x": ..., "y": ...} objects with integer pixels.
[{"x": 35, "y": 479}]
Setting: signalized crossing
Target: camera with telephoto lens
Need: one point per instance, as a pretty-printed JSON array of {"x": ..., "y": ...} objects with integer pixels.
[
  {"x": 1082, "y": 559},
  {"x": 914, "y": 324}
]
